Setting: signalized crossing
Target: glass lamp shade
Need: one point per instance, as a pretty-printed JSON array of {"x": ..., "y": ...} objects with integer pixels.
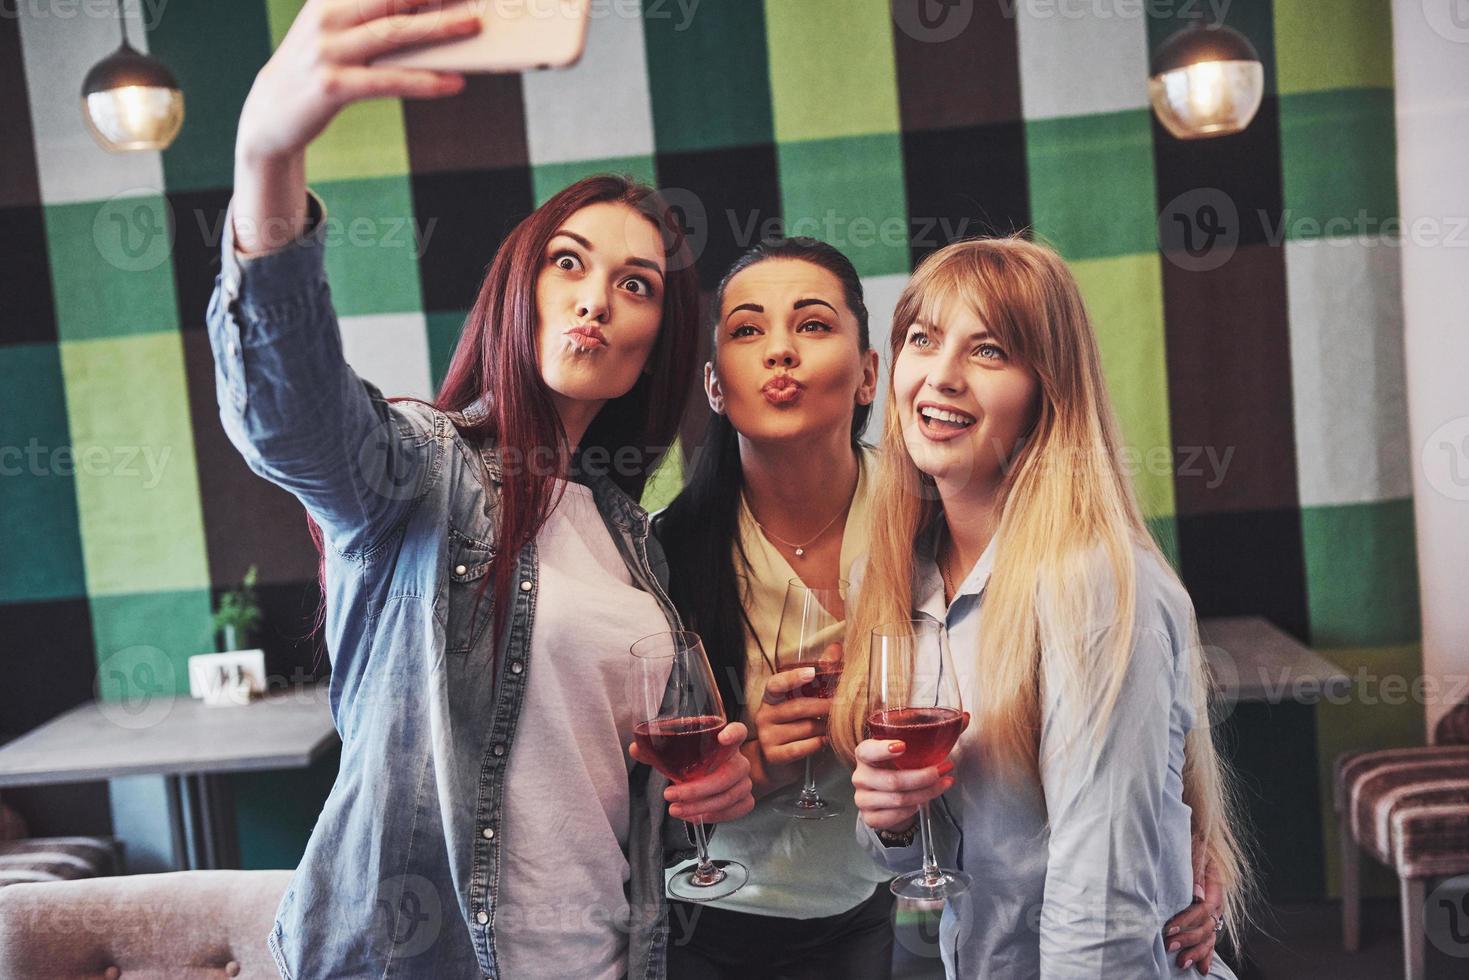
[
  {"x": 132, "y": 102},
  {"x": 1206, "y": 81}
]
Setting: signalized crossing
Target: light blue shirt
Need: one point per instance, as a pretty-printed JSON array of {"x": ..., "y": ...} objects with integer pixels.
[{"x": 1075, "y": 877}]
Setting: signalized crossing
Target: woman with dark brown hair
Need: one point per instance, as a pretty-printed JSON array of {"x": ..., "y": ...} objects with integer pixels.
[{"x": 485, "y": 565}]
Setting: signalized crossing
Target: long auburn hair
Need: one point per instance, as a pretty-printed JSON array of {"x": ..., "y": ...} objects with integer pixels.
[
  {"x": 1064, "y": 545},
  {"x": 699, "y": 530},
  {"x": 496, "y": 360}
]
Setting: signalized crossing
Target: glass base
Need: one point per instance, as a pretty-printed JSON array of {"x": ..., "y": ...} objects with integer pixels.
[
  {"x": 729, "y": 877},
  {"x": 797, "y": 804},
  {"x": 919, "y": 887}
]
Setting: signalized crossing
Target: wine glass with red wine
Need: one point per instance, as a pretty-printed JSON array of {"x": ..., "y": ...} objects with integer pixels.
[
  {"x": 811, "y": 634},
  {"x": 673, "y": 690},
  {"x": 913, "y": 697}
]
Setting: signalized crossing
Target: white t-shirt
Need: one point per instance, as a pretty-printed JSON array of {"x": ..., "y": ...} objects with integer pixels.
[{"x": 565, "y": 869}]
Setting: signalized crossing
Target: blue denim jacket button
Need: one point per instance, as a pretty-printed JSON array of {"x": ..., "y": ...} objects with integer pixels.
[
  {"x": 516, "y": 667},
  {"x": 489, "y": 833},
  {"x": 499, "y": 750},
  {"x": 525, "y": 586},
  {"x": 482, "y": 918}
]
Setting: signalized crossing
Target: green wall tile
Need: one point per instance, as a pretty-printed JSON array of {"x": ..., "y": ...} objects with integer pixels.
[
  {"x": 1381, "y": 713},
  {"x": 548, "y": 178},
  {"x": 1347, "y": 44},
  {"x": 110, "y": 269},
  {"x": 666, "y": 481},
  {"x": 39, "y": 535},
  {"x": 366, "y": 139},
  {"x": 143, "y": 644},
  {"x": 832, "y": 68},
  {"x": 275, "y": 811},
  {"x": 700, "y": 100},
  {"x": 1124, "y": 297},
  {"x": 849, "y": 193},
  {"x": 1338, "y": 161},
  {"x": 215, "y": 50},
  {"x": 373, "y": 269},
  {"x": 136, "y": 483},
  {"x": 1165, "y": 532},
  {"x": 443, "y": 336},
  {"x": 1361, "y": 573},
  {"x": 1091, "y": 183}
]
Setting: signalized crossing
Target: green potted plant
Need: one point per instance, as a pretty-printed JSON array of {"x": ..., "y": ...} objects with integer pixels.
[{"x": 238, "y": 614}]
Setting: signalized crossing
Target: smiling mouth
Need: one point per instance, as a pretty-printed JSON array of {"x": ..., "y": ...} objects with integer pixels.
[
  {"x": 943, "y": 422},
  {"x": 586, "y": 339}
]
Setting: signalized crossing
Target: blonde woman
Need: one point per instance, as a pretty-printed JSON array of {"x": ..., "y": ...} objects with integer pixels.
[{"x": 1073, "y": 640}]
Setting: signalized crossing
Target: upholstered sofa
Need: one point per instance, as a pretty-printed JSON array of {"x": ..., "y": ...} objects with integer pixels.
[{"x": 184, "y": 925}]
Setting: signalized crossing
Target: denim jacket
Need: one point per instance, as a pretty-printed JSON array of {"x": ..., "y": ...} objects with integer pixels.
[{"x": 400, "y": 876}]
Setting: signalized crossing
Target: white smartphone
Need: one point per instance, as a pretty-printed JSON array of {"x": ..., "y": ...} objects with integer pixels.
[{"x": 518, "y": 35}]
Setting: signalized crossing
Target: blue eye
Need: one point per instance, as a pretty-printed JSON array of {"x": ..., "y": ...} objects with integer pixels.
[
  {"x": 918, "y": 337},
  {"x": 991, "y": 351}
]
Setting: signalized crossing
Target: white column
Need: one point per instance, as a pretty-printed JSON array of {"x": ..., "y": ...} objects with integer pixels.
[{"x": 1431, "y": 59}]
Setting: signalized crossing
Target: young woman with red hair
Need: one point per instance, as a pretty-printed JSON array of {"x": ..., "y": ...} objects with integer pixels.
[{"x": 485, "y": 564}]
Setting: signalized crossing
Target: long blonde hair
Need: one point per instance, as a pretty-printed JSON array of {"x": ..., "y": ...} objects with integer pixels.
[{"x": 1069, "y": 524}]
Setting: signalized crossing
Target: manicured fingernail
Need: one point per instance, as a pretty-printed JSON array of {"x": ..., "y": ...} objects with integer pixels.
[
  {"x": 1174, "y": 930},
  {"x": 1187, "y": 964},
  {"x": 1175, "y": 946},
  {"x": 1199, "y": 892},
  {"x": 895, "y": 747}
]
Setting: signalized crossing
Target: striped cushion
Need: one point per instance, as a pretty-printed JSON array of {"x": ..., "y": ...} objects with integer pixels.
[
  {"x": 56, "y": 859},
  {"x": 1409, "y": 808}
]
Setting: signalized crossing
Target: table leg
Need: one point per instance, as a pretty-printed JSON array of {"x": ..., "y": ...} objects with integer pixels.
[{"x": 180, "y": 821}]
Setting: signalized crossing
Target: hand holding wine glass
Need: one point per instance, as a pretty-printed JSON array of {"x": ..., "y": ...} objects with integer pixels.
[
  {"x": 683, "y": 735},
  {"x": 809, "y": 638},
  {"x": 914, "y": 717}
]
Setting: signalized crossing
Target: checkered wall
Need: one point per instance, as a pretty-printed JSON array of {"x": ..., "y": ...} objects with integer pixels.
[{"x": 1252, "y": 343}]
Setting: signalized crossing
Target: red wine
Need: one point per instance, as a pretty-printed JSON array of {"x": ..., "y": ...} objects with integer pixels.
[
  {"x": 824, "y": 684},
  {"x": 682, "y": 748},
  {"x": 928, "y": 733}
]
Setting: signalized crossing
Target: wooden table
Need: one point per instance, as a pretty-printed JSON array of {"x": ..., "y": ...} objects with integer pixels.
[
  {"x": 192, "y": 745},
  {"x": 1252, "y": 659}
]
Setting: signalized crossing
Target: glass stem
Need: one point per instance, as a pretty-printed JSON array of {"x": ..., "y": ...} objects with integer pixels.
[
  {"x": 808, "y": 792},
  {"x": 706, "y": 873},
  {"x": 931, "y": 873}
]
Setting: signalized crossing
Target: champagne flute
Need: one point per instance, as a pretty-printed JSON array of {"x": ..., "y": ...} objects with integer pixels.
[
  {"x": 812, "y": 626},
  {"x": 913, "y": 697},
  {"x": 672, "y": 689}
]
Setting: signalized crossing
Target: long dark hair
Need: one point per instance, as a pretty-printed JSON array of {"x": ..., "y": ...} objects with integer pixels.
[
  {"x": 496, "y": 356},
  {"x": 699, "y": 530}
]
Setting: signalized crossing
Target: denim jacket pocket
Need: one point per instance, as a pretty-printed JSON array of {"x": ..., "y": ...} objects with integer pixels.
[{"x": 469, "y": 563}]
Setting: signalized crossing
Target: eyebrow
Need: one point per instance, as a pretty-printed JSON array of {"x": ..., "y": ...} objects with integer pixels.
[
  {"x": 634, "y": 260},
  {"x": 797, "y": 305},
  {"x": 982, "y": 334}
]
